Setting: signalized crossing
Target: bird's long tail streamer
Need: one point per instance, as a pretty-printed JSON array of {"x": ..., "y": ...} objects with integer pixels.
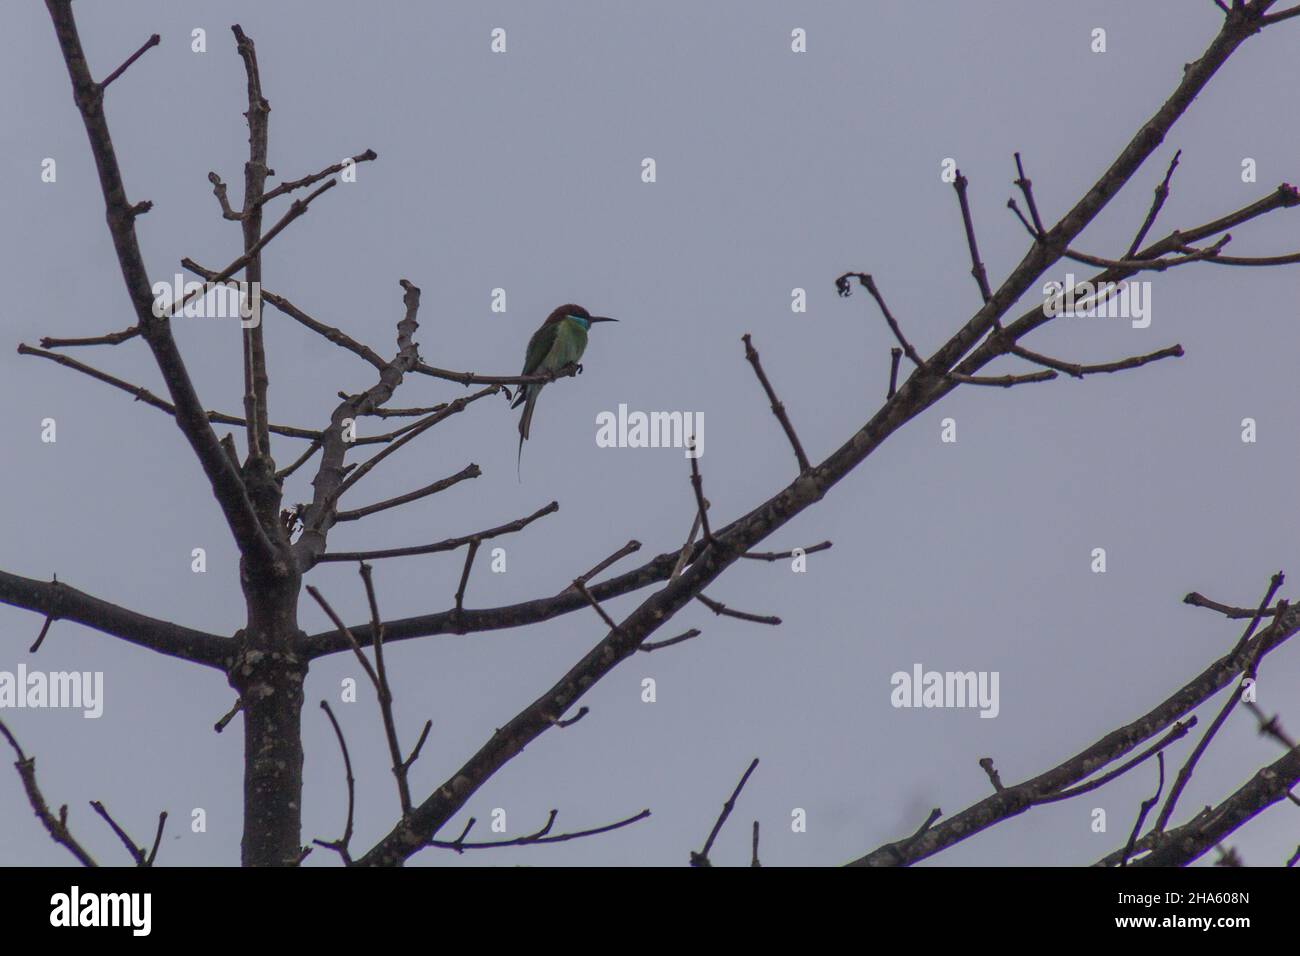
[{"x": 525, "y": 420}]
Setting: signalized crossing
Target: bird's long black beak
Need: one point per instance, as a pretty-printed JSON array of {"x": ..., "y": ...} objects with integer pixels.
[{"x": 601, "y": 318}]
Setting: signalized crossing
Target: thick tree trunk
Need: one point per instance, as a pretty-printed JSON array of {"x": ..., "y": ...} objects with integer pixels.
[
  {"x": 273, "y": 764},
  {"x": 269, "y": 677}
]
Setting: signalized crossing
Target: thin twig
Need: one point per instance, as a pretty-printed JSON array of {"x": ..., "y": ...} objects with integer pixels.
[
  {"x": 1002, "y": 381},
  {"x": 157, "y": 840},
  {"x": 400, "y": 765},
  {"x": 1027, "y": 190},
  {"x": 40, "y": 638},
  {"x": 717, "y": 607},
  {"x": 583, "y": 711},
  {"x": 152, "y": 400},
  {"x": 331, "y": 334},
  {"x": 464, "y": 574},
  {"x": 400, "y": 412},
  {"x": 347, "y": 633},
  {"x": 113, "y": 338},
  {"x": 473, "y": 378},
  {"x": 296, "y": 209},
  {"x": 1143, "y": 811},
  {"x": 684, "y": 555},
  {"x": 301, "y": 460},
  {"x": 1157, "y": 203},
  {"x": 411, "y": 433},
  {"x": 782, "y": 555},
  {"x": 1189, "y": 767},
  {"x": 1274, "y": 585},
  {"x": 223, "y": 199},
  {"x": 340, "y": 846},
  {"x": 290, "y": 185},
  {"x": 137, "y": 853},
  {"x": 629, "y": 548},
  {"x": 977, "y": 267},
  {"x": 1196, "y": 599},
  {"x": 868, "y": 283},
  {"x": 609, "y": 621},
  {"x": 543, "y": 835},
  {"x": 987, "y": 764},
  {"x": 701, "y": 503},
  {"x": 649, "y": 646},
  {"x": 470, "y": 471},
  {"x": 149, "y": 44},
  {"x": 1079, "y": 371},
  {"x": 229, "y": 715},
  {"x": 450, "y": 544},
  {"x": 1177, "y": 732},
  {"x": 778, "y": 409},
  {"x": 702, "y": 858},
  {"x": 57, "y": 827},
  {"x": 1190, "y": 254}
]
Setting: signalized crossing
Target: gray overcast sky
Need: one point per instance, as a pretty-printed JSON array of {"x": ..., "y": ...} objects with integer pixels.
[{"x": 775, "y": 170}]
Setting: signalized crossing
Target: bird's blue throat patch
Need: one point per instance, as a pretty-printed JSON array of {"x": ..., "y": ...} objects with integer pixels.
[{"x": 585, "y": 323}]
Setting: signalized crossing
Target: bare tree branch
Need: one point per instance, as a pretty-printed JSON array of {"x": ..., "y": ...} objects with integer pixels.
[
  {"x": 1157, "y": 203},
  {"x": 282, "y": 304},
  {"x": 329, "y": 483},
  {"x": 227, "y": 484},
  {"x": 543, "y": 835},
  {"x": 1026, "y": 187},
  {"x": 142, "y": 857},
  {"x": 630, "y": 548},
  {"x": 778, "y": 409},
  {"x": 717, "y": 607},
  {"x": 57, "y": 827},
  {"x": 1144, "y": 810},
  {"x": 895, "y": 356},
  {"x": 697, "y": 485},
  {"x": 378, "y": 675},
  {"x": 153, "y": 41},
  {"x": 450, "y": 544},
  {"x": 702, "y": 858},
  {"x": 977, "y": 267},
  {"x": 649, "y": 646},
  {"x": 1189, "y": 767},
  {"x": 113, "y": 338},
  {"x": 473, "y": 378},
  {"x": 1004, "y": 381},
  {"x": 1016, "y": 799},
  {"x": 220, "y": 190},
  {"x": 59, "y": 602},
  {"x": 868, "y": 283},
  {"x": 783, "y": 555},
  {"x": 340, "y": 846},
  {"x": 565, "y": 601},
  {"x": 1177, "y": 732},
  {"x": 289, "y": 186},
  {"x": 1079, "y": 371},
  {"x": 146, "y": 396},
  {"x": 469, "y": 471},
  {"x": 1185, "y": 844},
  {"x": 1197, "y": 599}
]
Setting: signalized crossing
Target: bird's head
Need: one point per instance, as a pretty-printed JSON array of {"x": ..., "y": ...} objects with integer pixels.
[{"x": 577, "y": 312}]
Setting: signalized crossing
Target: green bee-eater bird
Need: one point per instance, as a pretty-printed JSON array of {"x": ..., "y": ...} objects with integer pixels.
[{"x": 559, "y": 342}]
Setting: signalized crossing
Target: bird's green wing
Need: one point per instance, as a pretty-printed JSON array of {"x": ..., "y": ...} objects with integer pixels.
[{"x": 538, "y": 346}]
